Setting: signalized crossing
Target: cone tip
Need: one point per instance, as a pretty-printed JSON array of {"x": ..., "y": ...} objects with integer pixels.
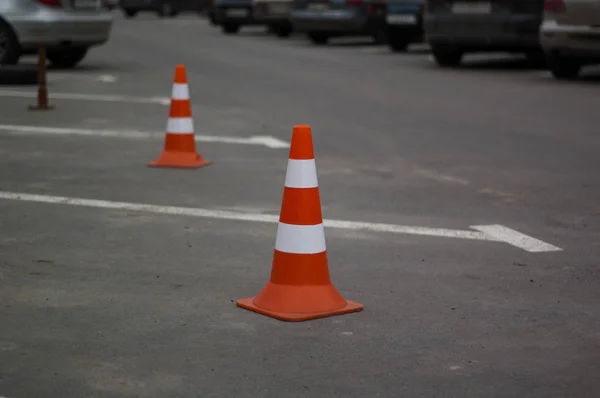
[
  {"x": 180, "y": 74},
  {"x": 301, "y": 147}
]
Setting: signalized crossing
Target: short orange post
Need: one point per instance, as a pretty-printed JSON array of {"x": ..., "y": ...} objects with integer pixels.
[{"x": 42, "y": 98}]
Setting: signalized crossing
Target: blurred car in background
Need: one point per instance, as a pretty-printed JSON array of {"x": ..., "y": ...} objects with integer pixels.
[
  {"x": 207, "y": 10},
  {"x": 276, "y": 14},
  {"x": 455, "y": 27},
  {"x": 570, "y": 35},
  {"x": 324, "y": 19},
  {"x": 404, "y": 20},
  {"x": 67, "y": 28},
  {"x": 163, "y": 8},
  {"x": 110, "y": 4},
  {"x": 231, "y": 15}
]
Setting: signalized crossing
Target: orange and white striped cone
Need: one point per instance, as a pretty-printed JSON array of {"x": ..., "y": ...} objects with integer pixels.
[
  {"x": 300, "y": 288},
  {"x": 180, "y": 142}
]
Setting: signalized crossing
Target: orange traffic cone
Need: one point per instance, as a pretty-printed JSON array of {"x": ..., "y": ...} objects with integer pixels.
[
  {"x": 180, "y": 144},
  {"x": 300, "y": 288}
]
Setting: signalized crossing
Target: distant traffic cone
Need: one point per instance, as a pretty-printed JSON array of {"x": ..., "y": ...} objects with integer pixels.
[
  {"x": 300, "y": 288},
  {"x": 180, "y": 143}
]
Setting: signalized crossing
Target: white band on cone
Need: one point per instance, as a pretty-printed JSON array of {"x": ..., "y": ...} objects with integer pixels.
[
  {"x": 180, "y": 125},
  {"x": 180, "y": 92},
  {"x": 300, "y": 239},
  {"x": 301, "y": 174}
]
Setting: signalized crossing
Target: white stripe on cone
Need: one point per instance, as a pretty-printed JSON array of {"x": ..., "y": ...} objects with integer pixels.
[
  {"x": 180, "y": 125},
  {"x": 300, "y": 239},
  {"x": 180, "y": 92},
  {"x": 301, "y": 174}
]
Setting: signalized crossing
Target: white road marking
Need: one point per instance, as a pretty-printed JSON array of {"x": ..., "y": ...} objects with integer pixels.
[
  {"x": 88, "y": 97},
  {"x": 107, "y": 78},
  {"x": 516, "y": 238},
  {"x": 269, "y": 142},
  {"x": 498, "y": 232}
]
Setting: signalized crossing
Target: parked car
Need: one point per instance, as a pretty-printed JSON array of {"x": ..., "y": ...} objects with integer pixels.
[
  {"x": 111, "y": 4},
  {"x": 276, "y": 14},
  {"x": 404, "y": 23},
  {"x": 324, "y": 19},
  {"x": 570, "y": 35},
  {"x": 455, "y": 27},
  {"x": 68, "y": 29},
  {"x": 164, "y": 8},
  {"x": 231, "y": 15}
]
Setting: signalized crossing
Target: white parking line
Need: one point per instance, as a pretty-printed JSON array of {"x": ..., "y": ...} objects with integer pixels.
[
  {"x": 267, "y": 141},
  {"x": 88, "y": 97},
  {"x": 494, "y": 233}
]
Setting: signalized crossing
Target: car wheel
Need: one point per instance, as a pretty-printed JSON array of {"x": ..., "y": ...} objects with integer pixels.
[
  {"x": 446, "y": 56},
  {"x": 283, "y": 30},
  {"x": 231, "y": 28},
  {"x": 398, "y": 42},
  {"x": 129, "y": 13},
  {"x": 66, "y": 58},
  {"x": 563, "y": 67},
  {"x": 9, "y": 46},
  {"x": 318, "y": 38}
]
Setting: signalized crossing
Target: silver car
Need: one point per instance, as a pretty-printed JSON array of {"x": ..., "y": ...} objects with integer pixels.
[
  {"x": 570, "y": 35},
  {"x": 67, "y": 28}
]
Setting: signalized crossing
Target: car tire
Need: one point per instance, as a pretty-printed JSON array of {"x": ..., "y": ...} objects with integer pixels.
[
  {"x": 398, "y": 42},
  {"x": 318, "y": 38},
  {"x": 564, "y": 68},
  {"x": 18, "y": 75},
  {"x": 283, "y": 30},
  {"x": 129, "y": 13},
  {"x": 446, "y": 56},
  {"x": 9, "y": 45},
  {"x": 66, "y": 58},
  {"x": 230, "y": 28}
]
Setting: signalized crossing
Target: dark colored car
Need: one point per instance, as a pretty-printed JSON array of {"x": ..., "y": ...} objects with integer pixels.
[
  {"x": 231, "y": 15},
  {"x": 324, "y": 19},
  {"x": 455, "y": 27},
  {"x": 164, "y": 8},
  {"x": 404, "y": 23},
  {"x": 276, "y": 14}
]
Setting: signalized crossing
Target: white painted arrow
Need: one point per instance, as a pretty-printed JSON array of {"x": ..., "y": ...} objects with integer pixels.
[{"x": 267, "y": 141}]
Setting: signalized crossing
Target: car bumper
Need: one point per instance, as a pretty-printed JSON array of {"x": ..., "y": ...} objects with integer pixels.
[
  {"x": 63, "y": 30},
  {"x": 240, "y": 14},
  {"x": 404, "y": 16},
  {"x": 336, "y": 21},
  {"x": 273, "y": 11},
  {"x": 518, "y": 31},
  {"x": 570, "y": 40}
]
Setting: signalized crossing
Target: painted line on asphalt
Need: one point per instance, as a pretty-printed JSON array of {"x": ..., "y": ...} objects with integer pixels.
[
  {"x": 88, "y": 97},
  {"x": 493, "y": 233},
  {"x": 267, "y": 141},
  {"x": 515, "y": 238}
]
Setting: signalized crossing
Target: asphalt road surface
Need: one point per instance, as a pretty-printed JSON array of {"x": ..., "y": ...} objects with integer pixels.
[{"x": 100, "y": 301}]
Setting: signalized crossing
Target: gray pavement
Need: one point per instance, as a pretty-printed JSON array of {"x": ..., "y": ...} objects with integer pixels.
[{"x": 115, "y": 303}]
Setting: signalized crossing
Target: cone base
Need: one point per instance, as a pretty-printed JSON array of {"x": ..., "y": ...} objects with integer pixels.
[
  {"x": 248, "y": 304},
  {"x": 185, "y": 160}
]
